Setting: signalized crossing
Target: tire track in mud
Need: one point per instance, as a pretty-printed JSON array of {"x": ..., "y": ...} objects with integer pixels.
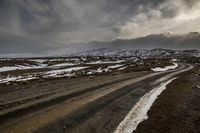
[
  {"x": 80, "y": 116},
  {"x": 20, "y": 107},
  {"x": 12, "y": 103}
]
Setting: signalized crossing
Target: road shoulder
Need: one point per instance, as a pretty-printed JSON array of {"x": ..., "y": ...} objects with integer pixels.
[{"x": 177, "y": 109}]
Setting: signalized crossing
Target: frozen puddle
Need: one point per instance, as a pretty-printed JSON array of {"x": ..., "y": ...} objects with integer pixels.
[
  {"x": 139, "y": 111},
  {"x": 159, "y": 69}
]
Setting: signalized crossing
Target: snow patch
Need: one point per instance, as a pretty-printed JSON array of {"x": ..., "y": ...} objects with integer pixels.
[
  {"x": 39, "y": 60},
  {"x": 107, "y": 69},
  {"x": 17, "y": 79},
  {"x": 55, "y": 73},
  {"x": 139, "y": 111},
  {"x": 20, "y": 67},
  {"x": 63, "y": 65},
  {"x": 105, "y": 62},
  {"x": 122, "y": 68},
  {"x": 159, "y": 69},
  {"x": 114, "y": 66},
  {"x": 8, "y": 68},
  {"x": 99, "y": 70},
  {"x": 52, "y": 73}
]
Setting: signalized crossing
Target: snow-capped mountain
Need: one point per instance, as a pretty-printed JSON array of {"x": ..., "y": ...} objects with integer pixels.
[{"x": 141, "y": 53}]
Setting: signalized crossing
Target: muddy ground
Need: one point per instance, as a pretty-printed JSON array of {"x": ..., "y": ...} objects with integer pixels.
[{"x": 97, "y": 104}]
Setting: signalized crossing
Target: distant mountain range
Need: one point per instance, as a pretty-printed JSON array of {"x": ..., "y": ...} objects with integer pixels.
[
  {"x": 165, "y": 40},
  {"x": 187, "y": 44},
  {"x": 157, "y": 45},
  {"x": 141, "y": 53}
]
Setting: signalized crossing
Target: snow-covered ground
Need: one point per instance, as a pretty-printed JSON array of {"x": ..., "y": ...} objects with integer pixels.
[
  {"x": 60, "y": 68},
  {"x": 39, "y": 65},
  {"x": 17, "y": 79},
  {"x": 20, "y": 67},
  {"x": 115, "y": 66},
  {"x": 122, "y": 68},
  {"x": 159, "y": 69},
  {"x": 107, "y": 69},
  {"x": 139, "y": 111},
  {"x": 105, "y": 62},
  {"x": 62, "y": 72},
  {"x": 38, "y": 60},
  {"x": 99, "y": 70},
  {"x": 8, "y": 68},
  {"x": 63, "y": 65},
  {"x": 51, "y": 73}
]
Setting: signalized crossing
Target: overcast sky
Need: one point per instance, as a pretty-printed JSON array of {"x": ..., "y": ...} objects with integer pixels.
[{"x": 55, "y": 26}]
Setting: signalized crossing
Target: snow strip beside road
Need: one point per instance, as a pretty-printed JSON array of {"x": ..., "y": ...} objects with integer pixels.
[
  {"x": 139, "y": 111},
  {"x": 159, "y": 69}
]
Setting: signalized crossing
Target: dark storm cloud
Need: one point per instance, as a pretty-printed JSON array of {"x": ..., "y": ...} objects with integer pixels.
[
  {"x": 36, "y": 26},
  {"x": 178, "y": 16},
  {"x": 66, "y": 15}
]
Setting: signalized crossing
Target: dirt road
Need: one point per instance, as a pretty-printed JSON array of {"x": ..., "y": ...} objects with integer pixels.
[{"x": 80, "y": 105}]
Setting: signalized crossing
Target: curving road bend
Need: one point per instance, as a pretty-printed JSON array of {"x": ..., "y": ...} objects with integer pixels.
[{"x": 99, "y": 107}]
